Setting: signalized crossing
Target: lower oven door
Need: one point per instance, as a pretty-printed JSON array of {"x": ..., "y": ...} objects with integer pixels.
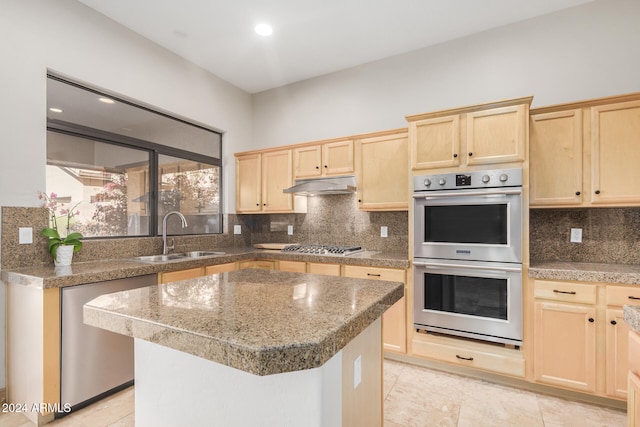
[{"x": 481, "y": 300}]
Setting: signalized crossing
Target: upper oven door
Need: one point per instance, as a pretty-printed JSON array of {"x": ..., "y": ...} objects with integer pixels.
[{"x": 477, "y": 225}]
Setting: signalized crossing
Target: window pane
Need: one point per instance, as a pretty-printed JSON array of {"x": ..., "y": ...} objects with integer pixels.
[
  {"x": 108, "y": 183},
  {"x": 191, "y": 188}
]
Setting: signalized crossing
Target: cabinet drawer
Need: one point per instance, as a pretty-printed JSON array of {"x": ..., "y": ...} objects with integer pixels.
[
  {"x": 359, "y": 272},
  {"x": 634, "y": 352},
  {"x": 470, "y": 357},
  {"x": 566, "y": 291},
  {"x": 326, "y": 269},
  {"x": 621, "y": 295}
]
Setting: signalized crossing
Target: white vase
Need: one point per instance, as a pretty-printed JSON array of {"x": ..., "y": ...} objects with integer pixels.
[{"x": 64, "y": 255}]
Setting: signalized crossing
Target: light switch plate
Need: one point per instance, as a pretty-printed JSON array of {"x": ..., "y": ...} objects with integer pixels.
[
  {"x": 290, "y": 230},
  {"x": 576, "y": 235},
  {"x": 237, "y": 229},
  {"x": 384, "y": 231},
  {"x": 25, "y": 235}
]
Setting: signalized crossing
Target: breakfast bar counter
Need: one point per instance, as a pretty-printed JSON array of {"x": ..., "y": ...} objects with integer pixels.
[{"x": 254, "y": 347}]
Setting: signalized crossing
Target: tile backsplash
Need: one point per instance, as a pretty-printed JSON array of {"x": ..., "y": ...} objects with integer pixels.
[
  {"x": 609, "y": 235},
  {"x": 329, "y": 220}
]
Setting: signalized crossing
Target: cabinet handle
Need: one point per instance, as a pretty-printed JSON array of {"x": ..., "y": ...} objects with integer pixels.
[
  {"x": 374, "y": 275},
  {"x": 264, "y": 204},
  {"x": 464, "y": 358},
  {"x": 325, "y": 166},
  {"x": 591, "y": 320},
  {"x": 577, "y": 193},
  {"x": 359, "y": 200},
  {"x": 470, "y": 154},
  {"x": 455, "y": 155},
  {"x": 632, "y": 297},
  {"x": 564, "y": 292},
  {"x": 257, "y": 204},
  {"x": 597, "y": 191},
  {"x": 613, "y": 322},
  {"x": 317, "y": 167}
]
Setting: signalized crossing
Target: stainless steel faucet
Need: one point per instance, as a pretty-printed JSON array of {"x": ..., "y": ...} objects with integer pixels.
[{"x": 165, "y": 248}]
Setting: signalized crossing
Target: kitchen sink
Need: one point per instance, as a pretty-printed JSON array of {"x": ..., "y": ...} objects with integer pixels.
[
  {"x": 198, "y": 254},
  {"x": 160, "y": 258},
  {"x": 177, "y": 256}
]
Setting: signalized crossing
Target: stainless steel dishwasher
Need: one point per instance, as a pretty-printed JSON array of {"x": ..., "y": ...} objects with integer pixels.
[{"x": 94, "y": 362}]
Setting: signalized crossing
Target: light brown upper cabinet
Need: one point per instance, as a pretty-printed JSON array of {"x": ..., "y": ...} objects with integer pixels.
[
  {"x": 555, "y": 162},
  {"x": 586, "y": 154},
  {"x": 260, "y": 179},
  {"x": 382, "y": 162},
  {"x": 477, "y": 135},
  {"x": 324, "y": 159}
]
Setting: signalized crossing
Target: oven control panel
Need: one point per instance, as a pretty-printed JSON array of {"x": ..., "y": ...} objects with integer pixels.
[{"x": 494, "y": 178}]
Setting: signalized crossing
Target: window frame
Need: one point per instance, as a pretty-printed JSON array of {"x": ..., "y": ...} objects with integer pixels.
[{"x": 155, "y": 150}]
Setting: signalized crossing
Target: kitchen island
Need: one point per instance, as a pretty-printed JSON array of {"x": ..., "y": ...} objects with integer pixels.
[{"x": 254, "y": 347}]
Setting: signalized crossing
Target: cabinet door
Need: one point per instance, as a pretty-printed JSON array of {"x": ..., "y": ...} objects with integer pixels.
[
  {"x": 307, "y": 161},
  {"x": 173, "y": 276},
  {"x": 617, "y": 357},
  {"x": 276, "y": 176},
  {"x": 337, "y": 158},
  {"x": 633, "y": 401},
  {"x": 435, "y": 143},
  {"x": 556, "y": 158},
  {"x": 248, "y": 183},
  {"x": 565, "y": 345},
  {"x": 497, "y": 135},
  {"x": 383, "y": 172},
  {"x": 615, "y": 153}
]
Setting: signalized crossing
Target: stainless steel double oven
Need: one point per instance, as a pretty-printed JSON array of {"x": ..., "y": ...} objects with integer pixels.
[{"x": 467, "y": 254}]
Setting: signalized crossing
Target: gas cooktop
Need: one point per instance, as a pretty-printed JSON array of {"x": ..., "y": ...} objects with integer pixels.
[{"x": 323, "y": 249}]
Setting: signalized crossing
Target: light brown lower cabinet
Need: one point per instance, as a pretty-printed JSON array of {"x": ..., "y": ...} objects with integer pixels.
[
  {"x": 293, "y": 266},
  {"x": 220, "y": 268},
  {"x": 172, "y": 276},
  {"x": 326, "y": 269},
  {"x": 394, "y": 323},
  {"x": 580, "y": 335},
  {"x": 633, "y": 378}
]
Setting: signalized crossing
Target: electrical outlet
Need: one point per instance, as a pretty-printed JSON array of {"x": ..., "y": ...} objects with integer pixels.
[
  {"x": 357, "y": 372},
  {"x": 384, "y": 231},
  {"x": 576, "y": 235},
  {"x": 290, "y": 230},
  {"x": 237, "y": 229},
  {"x": 25, "y": 235}
]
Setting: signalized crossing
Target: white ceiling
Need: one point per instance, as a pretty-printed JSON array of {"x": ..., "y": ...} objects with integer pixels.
[{"x": 310, "y": 37}]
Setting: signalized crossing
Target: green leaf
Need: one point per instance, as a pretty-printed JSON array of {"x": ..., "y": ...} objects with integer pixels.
[
  {"x": 51, "y": 233},
  {"x": 73, "y": 236}
]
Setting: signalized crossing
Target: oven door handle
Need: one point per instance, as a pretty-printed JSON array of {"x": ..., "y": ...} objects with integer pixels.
[
  {"x": 479, "y": 267},
  {"x": 436, "y": 195}
]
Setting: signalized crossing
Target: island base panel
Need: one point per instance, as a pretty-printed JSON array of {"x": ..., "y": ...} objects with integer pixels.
[{"x": 176, "y": 388}]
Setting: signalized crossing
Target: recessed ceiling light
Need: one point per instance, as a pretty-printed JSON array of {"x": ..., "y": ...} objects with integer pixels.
[
  {"x": 55, "y": 110},
  {"x": 106, "y": 100},
  {"x": 264, "y": 29}
]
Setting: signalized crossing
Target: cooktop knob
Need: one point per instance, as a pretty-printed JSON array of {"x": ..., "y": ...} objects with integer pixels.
[
  {"x": 427, "y": 182},
  {"x": 486, "y": 178},
  {"x": 442, "y": 181},
  {"x": 504, "y": 177}
]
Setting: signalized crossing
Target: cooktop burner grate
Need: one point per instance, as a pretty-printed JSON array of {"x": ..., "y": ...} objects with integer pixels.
[{"x": 323, "y": 249}]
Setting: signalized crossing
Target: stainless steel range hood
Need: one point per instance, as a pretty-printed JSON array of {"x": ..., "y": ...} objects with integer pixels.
[{"x": 322, "y": 186}]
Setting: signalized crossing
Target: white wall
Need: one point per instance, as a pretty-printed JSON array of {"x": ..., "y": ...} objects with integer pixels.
[
  {"x": 584, "y": 52},
  {"x": 70, "y": 39}
]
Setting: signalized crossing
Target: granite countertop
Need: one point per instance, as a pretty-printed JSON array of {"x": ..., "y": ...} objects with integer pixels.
[
  {"x": 96, "y": 271},
  {"x": 586, "y": 272},
  {"x": 259, "y": 321}
]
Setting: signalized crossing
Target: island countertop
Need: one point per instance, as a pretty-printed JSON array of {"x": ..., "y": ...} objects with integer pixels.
[{"x": 259, "y": 321}]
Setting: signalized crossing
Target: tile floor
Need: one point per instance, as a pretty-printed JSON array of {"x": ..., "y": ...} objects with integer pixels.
[{"x": 413, "y": 396}]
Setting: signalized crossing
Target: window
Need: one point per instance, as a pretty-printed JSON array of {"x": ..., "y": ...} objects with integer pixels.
[{"x": 122, "y": 167}]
